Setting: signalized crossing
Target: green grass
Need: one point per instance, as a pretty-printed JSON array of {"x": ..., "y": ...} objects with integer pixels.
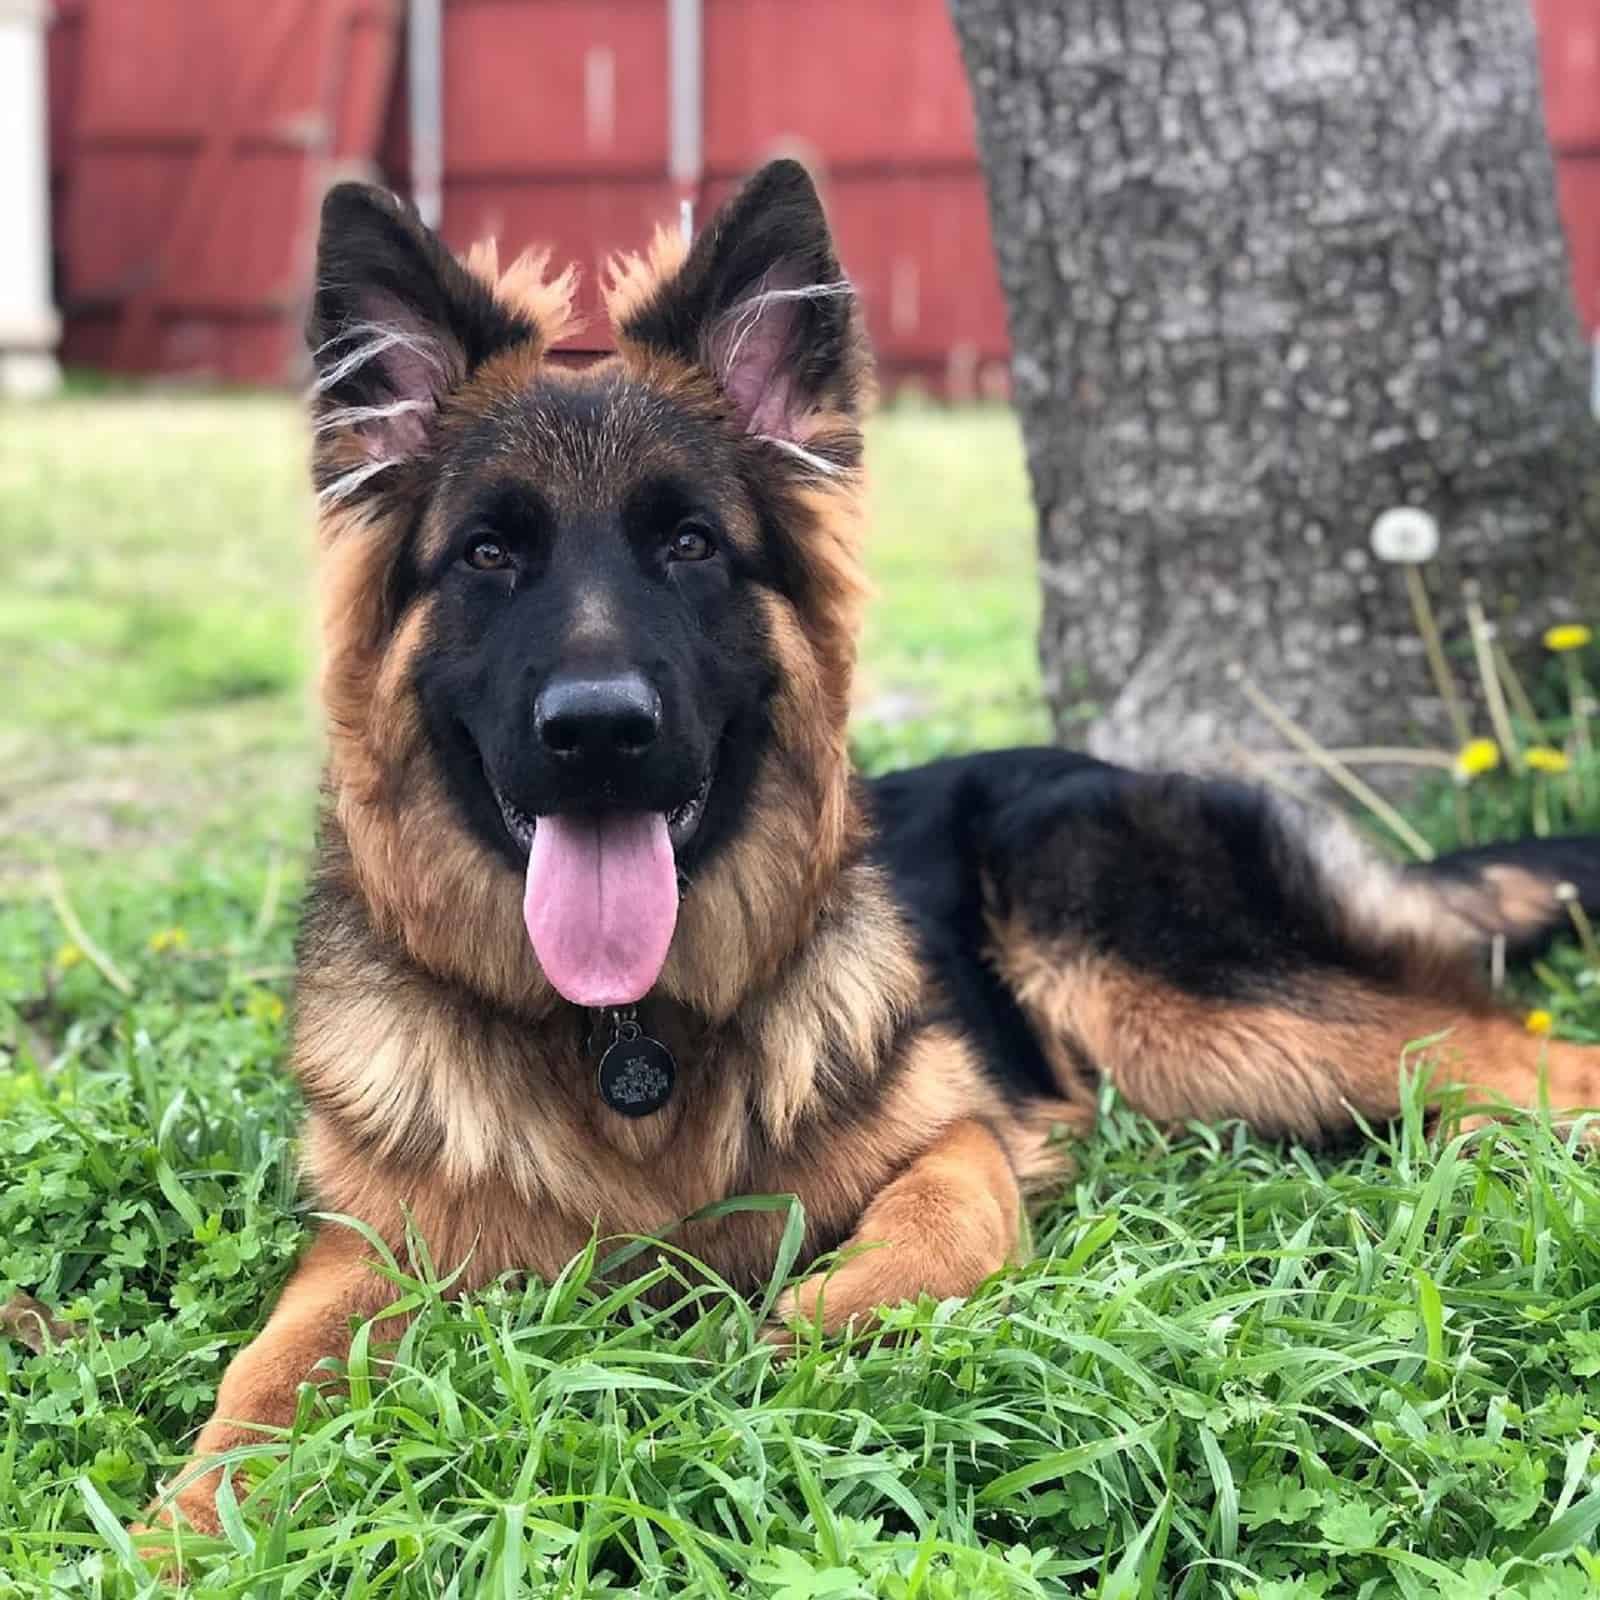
[
  {"x": 1232, "y": 1369},
  {"x": 155, "y": 629}
]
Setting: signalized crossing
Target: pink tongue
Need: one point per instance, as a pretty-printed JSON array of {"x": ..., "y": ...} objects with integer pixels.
[{"x": 601, "y": 903}]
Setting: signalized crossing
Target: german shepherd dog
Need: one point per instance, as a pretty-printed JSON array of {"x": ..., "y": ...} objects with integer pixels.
[{"x": 604, "y": 928}]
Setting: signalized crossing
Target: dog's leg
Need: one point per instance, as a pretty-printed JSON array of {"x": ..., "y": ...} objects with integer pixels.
[
  {"x": 1305, "y": 1072},
  {"x": 1219, "y": 956},
  {"x": 333, "y": 1283},
  {"x": 952, "y": 1217}
]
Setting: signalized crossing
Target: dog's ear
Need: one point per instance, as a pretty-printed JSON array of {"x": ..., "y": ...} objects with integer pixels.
[
  {"x": 396, "y": 323},
  {"x": 760, "y": 304}
]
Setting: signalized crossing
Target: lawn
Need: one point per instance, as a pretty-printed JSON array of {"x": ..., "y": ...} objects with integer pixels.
[{"x": 1232, "y": 1369}]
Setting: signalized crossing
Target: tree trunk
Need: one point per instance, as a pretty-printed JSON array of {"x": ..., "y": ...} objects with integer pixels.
[{"x": 1273, "y": 267}]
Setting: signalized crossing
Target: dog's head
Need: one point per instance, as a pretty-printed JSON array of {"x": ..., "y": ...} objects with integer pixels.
[{"x": 590, "y": 632}]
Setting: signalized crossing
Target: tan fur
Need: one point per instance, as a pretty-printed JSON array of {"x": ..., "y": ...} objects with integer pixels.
[
  {"x": 839, "y": 1000},
  {"x": 1438, "y": 920},
  {"x": 32, "y": 1323},
  {"x": 1178, "y": 1058},
  {"x": 418, "y": 1072},
  {"x": 526, "y": 289},
  {"x": 429, "y": 887},
  {"x": 1379, "y": 903},
  {"x": 633, "y": 281},
  {"x": 952, "y": 1218}
]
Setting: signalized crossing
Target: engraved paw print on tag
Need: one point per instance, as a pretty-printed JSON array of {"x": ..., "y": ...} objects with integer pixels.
[{"x": 637, "y": 1073}]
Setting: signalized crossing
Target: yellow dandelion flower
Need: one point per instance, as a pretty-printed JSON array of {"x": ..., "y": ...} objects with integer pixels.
[
  {"x": 1567, "y": 636},
  {"x": 264, "y": 1007},
  {"x": 1545, "y": 758},
  {"x": 69, "y": 955},
  {"x": 169, "y": 939},
  {"x": 1476, "y": 757},
  {"x": 1539, "y": 1022}
]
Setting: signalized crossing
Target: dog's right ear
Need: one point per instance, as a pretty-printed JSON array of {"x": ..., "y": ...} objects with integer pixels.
[{"x": 396, "y": 323}]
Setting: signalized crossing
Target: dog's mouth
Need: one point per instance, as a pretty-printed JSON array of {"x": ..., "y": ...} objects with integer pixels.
[
  {"x": 600, "y": 902},
  {"x": 683, "y": 821}
]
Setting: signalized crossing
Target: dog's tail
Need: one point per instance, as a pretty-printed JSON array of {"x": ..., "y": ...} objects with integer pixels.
[{"x": 1525, "y": 892}]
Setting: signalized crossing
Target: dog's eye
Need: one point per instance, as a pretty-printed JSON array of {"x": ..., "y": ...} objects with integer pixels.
[
  {"x": 690, "y": 541},
  {"x": 487, "y": 555}
]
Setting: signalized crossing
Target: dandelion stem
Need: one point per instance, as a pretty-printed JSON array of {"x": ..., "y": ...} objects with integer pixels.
[
  {"x": 1335, "y": 769},
  {"x": 1567, "y": 894},
  {"x": 1372, "y": 755},
  {"x": 1518, "y": 696},
  {"x": 1265, "y": 769},
  {"x": 1483, "y": 649},
  {"x": 1444, "y": 679},
  {"x": 56, "y": 891},
  {"x": 1578, "y": 695}
]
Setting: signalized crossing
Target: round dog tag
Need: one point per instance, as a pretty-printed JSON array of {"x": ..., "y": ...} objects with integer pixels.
[{"x": 636, "y": 1073}]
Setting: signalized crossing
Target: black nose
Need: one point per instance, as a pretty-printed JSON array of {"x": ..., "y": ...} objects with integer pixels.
[{"x": 598, "y": 718}]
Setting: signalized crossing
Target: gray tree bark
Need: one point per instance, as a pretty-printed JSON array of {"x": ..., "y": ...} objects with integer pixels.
[{"x": 1274, "y": 266}]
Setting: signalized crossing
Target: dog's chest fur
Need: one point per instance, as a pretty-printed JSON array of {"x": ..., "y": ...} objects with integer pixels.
[{"x": 489, "y": 1129}]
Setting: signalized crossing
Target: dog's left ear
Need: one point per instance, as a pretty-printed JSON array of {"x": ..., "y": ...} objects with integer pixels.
[{"x": 760, "y": 304}]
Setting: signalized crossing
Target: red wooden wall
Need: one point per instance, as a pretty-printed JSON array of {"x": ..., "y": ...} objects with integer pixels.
[
  {"x": 1569, "y": 48},
  {"x": 562, "y": 137},
  {"x": 190, "y": 141}
]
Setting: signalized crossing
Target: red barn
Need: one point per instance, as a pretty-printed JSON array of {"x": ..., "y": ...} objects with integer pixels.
[{"x": 190, "y": 143}]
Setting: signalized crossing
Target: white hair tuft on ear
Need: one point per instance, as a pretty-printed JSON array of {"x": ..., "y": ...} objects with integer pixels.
[
  {"x": 347, "y": 483},
  {"x": 828, "y": 469}
]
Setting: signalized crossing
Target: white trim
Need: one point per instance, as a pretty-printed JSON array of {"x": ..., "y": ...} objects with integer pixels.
[
  {"x": 42, "y": 332},
  {"x": 29, "y": 327}
]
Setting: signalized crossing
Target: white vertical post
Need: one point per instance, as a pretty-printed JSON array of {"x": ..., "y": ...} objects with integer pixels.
[
  {"x": 685, "y": 96},
  {"x": 29, "y": 327},
  {"x": 425, "y": 94}
]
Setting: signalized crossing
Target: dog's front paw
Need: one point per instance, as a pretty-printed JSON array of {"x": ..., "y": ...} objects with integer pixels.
[
  {"x": 193, "y": 1510},
  {"x": 159, "y": 1547},
  {"x": 848, "y": 1296}
]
